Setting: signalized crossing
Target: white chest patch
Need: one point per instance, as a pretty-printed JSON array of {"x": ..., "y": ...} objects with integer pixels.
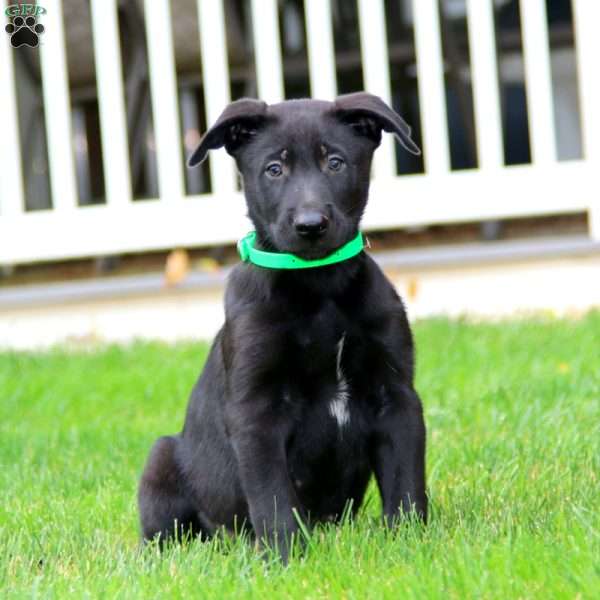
[{"x": 338, "y": 406}]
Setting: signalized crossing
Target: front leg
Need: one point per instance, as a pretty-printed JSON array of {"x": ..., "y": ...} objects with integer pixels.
[
  {"x": 259, "y": 446},
  {"x": 398, "y": 455},
  {"x": 259, "y": 425}
]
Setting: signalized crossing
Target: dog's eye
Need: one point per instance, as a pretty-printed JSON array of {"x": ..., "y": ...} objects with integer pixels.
[
  {"x": 274, "y": 169},
  {"x": 335, "y": 163}
]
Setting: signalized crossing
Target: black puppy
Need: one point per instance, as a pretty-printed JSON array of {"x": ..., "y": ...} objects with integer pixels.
[{"x": 308, "y": 388}]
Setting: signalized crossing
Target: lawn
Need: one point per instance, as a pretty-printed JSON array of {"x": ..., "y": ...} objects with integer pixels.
[{"x": 513, "y": 415}]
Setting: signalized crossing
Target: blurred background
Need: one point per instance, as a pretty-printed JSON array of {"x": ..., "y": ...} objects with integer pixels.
[{"x": 105, "y": 235}]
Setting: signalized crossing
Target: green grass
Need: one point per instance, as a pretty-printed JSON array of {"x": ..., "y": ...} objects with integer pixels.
[{"x": 513, "y": 414}]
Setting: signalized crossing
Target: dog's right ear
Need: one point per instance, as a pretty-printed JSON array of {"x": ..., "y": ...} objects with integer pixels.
[{"x": 237, "y": 124}]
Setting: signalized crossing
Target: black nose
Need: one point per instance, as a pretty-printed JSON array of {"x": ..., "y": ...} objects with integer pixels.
[{"x": 311, "y": 224}]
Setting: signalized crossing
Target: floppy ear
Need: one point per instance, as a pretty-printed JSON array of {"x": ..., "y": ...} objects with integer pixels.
[
  {"x": 369, "y": 114},
  {"x": 237, "y": 123}
]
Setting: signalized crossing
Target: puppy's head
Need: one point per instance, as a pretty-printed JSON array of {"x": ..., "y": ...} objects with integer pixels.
[{"x": 305, "y": 165}]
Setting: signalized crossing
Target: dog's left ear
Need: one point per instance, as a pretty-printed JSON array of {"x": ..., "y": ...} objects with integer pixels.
[
  {"x": 237, "y": 124},
  {"x": 369, "y": 115}
]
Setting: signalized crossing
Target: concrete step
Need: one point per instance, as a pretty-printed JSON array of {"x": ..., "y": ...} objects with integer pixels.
[{"x": 487, "y": 280}]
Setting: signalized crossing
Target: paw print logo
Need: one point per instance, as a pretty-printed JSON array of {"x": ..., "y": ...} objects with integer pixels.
[{"x": 24, "y": 32}]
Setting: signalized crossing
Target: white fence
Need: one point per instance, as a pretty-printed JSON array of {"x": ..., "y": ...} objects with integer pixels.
[{"x": 440, "y": 195}]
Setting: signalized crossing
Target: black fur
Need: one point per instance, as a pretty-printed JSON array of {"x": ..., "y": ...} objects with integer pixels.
[{"x": 308, "y": 388}]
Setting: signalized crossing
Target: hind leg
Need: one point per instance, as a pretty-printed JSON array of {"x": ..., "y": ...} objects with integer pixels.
[{"x": 165, "y": 508}]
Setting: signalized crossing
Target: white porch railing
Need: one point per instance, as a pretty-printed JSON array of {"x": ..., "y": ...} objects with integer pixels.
[{"x": 440, "y": 195}]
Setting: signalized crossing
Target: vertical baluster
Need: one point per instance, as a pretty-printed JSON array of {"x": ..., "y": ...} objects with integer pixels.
[
  {"x": 215, "y": 76},
  {"x": 12, "y": 197},
  {"x": 376, "y": 73},
  {"x": 321, "y": 51},
  {"x": 538, "y": 82},
  {"x": 586, "y": 19},
  {"x": 267, "y": 50},
  {"x": 57, "y": 110},
  {"x": 484, "y": 77},
  {"x": 432, "y": 95},
  {"x": 165, "y": 107},
  {"x": 111, "y": 102}
]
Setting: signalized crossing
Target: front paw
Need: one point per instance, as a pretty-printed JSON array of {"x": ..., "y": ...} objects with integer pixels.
[
  {"x": 406, "y": 513},
  {"x": 280, "y": 545}
]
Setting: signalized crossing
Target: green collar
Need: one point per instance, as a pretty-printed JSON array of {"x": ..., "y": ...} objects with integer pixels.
[{"x": 279, "y": 260}]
